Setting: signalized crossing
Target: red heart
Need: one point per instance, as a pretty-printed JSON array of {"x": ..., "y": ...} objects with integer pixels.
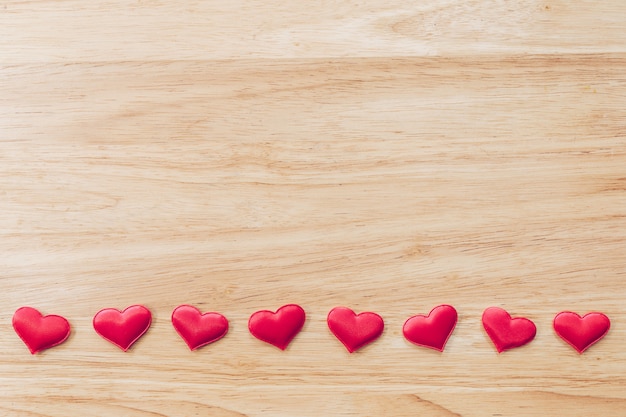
[
  {"x": 581, "y": 332},
  {"x": 198, "y": 329},
  {"x": 122, "y": 328},
  {"x": 354, "y": 330},
  {"x": 278, "y": 328},
  {"x": 40, "y": 332},
  {"x": 505, "y": 332},
  {"x": 431, "y": 331}
]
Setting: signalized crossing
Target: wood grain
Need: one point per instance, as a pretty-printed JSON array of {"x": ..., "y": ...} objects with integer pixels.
[{"x": 386, "y": 156}]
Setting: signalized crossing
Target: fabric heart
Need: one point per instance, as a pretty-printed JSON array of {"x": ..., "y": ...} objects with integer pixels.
[
  {"x": 581, "y": 332},
  {"x": 40, "y": 332},
  {"x": 506, "y": 332},
  {"x": 198, "y": 329},
  {"x": 277, "y": 328},
  {"x": 122, "y": 328},
  {"x": 431, "y": 331},
  {"x": 354, "y": 330}
]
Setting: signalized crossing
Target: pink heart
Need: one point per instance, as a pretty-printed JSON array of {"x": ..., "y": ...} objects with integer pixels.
[
  {"x": 354, "y": 330},
  {"x": 277, "y": 328},
  {"x": 581, "y": 332},
  {"x": 40, "y": 332},
  {"x": 506, "y": 332},
  {"x": 431, "y": 331},
  {"x": 122, "y": 328},
  {"x": 198, "y": 329}
]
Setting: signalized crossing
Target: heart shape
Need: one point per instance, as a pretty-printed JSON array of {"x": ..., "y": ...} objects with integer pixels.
[
  {"x": 122, "y": 328},
  {"x": 198, "y": 329},
  {"x": 354, "y": 330},
  {"x": 581, "y": 332},
  {"x": 431, "y": 331},
  {"x": 506, "y": 332},
  {"x": 40, "y": 332},
  {"x": 277, "y": 328}
]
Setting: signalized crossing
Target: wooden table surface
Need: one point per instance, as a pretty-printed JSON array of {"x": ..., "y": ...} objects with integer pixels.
[{"x": 385, "y": 155}]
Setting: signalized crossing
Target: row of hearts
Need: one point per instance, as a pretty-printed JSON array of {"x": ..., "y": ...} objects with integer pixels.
[{"x": 124, "y": 328}]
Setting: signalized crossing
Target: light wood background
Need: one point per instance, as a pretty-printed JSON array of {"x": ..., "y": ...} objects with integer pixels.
[{"x": 383, "y": 155}]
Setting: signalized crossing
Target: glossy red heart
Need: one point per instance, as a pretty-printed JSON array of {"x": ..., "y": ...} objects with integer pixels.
[
  {"x": 277, "y": 328},
  {"x": 506, "y": 332},
  {"x": 40, "y": 332},
  {"x": 198, "y": 329},
  {"x": 122, "y": 328},
  {"x": 581, "y": 332},
  {"x": 431, "y": 331},
  {"x": 354, "y": 330}
]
